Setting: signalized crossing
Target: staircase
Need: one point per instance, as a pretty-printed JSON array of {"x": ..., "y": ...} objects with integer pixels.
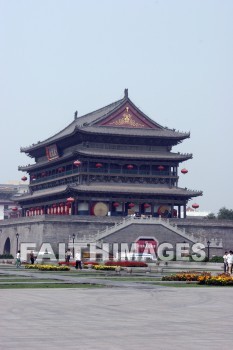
[{"x": 100, "y": 235}]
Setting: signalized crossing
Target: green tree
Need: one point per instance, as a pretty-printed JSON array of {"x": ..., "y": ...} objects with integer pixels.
[
  {"x": 225, "y": 214},
  {"x": 211, "y": 216}
]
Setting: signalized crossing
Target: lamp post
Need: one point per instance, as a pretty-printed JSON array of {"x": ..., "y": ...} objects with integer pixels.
[
  {"x": 73, "y": 244},
  {"x": 208, "y": 250},
  {"x": 17, "y": 242}
]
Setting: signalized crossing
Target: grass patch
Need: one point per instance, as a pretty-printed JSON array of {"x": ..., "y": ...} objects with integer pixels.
[
  {"x": 131, "y": 279},
  {"x": 49, "y": 285},
  {"x": 23, "y": 279}
]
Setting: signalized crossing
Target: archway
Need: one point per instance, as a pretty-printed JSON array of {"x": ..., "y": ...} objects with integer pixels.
[{"x": 7, "y": 246}]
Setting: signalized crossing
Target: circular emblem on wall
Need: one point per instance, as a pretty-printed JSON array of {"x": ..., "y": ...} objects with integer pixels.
[{"x": 100, "y": 209}]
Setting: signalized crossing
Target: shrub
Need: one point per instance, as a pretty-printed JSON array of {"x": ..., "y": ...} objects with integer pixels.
[
  {"x": 93, "y": 263},
  {"x": 217, "y": 259},
  {"x": 31, "y": 266},
  {"x": 6, "y": 256},
  {"x": 126, "y": 263},
  {"x": 73, "y": 263}
]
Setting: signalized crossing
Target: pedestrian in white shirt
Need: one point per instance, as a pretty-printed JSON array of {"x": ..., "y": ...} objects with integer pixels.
[
  {"x": 18, "y": 259},
  {"x": 78, "y": 264},
  {"x": 225, "y": 262},
  {"x": 230, "y": 261}
]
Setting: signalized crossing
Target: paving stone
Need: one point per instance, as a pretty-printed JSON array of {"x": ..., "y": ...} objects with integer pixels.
[{"x": 127, "y": 317}]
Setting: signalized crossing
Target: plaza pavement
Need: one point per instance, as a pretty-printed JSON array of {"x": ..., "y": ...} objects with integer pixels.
[{"x": 124, "y": 316}]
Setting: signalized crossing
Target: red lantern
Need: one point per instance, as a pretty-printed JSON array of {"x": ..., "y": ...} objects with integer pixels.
[
  {"x": 131, "y": 205},
  {"x": 24, "y": 178},
  {"x": 184, "y": 171},
  {"x": 195, "y": 206},
  {"x": 77, "y": 163},
  {"x": 70, "y": 200},
  {"x": 116, "y": 204},
  {"x": 146, "y": 205},
  {"x": 60, "y": 170},
  {"x": 161, "y": 167},
  {"x": 98, "y": 165},
  {"x": 14, "y": 208},
  {"x": 129, "y": 166}
]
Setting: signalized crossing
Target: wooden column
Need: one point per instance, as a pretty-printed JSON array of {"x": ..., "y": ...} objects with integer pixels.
[
  {"x": 172, "y": 208},
  {"x": 75, "y": 207},
  {"x": 184, "y": 210},
  {"x": 179, "y": 212},
  {"x": 152, "y": 209}
]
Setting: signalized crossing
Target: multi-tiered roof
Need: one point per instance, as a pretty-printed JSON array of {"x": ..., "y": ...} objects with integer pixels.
[{"x": 115, "y": 137}]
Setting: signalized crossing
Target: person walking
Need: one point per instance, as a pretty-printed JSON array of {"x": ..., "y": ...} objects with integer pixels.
[
  {"x": 32, "y": 257},
  {"x": 78, "y": 264},
  {"x": 225, "y": 262},
  {"x": 230, "y": 261},
  {"x": 18, "y": 259},
  {"x": 68, "y": 256}
]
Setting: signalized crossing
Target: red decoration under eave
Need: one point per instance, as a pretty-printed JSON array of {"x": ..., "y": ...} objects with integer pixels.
[
  {"x": 195, "y": 206},
  {"x": 130, "y": 166},
  {"x": 116, "y": 204},
  {"x": 77, "y": 163},
  {"x": 131, "y": 205},
  {"x": 24, "y": 178},
  {"x": 146, "y": 205},
  {"x": 161, "y": 167},
  {"x": 98, "y": 165},
  {"x": 70, "y": 200},
  {"x": 184, "y": 171},
  {"x": 60, "y": 170},
  {"x": 14, "y": 208}
]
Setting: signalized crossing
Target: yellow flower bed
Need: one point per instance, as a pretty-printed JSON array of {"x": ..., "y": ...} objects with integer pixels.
[
  {"x": 186, "y": 276},
  {"x": 219, "y": 280},
  {"x": 47, "y": 267},
  {"x": 104, "y": 268},
  {"x": 204, "y": 278}
]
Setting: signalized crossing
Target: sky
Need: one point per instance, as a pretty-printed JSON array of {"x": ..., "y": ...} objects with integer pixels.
[{"x": 174, "y": 56}]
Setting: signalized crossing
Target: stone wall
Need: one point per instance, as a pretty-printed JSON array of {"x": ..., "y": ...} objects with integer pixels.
[
  {"x": 59, "y": 229},
  {"x": 49, "y": 229},
  {"x": 204, "y": 228}
]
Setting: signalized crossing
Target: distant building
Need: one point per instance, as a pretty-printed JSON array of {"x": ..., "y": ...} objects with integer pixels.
[
  {"x": 8, "y": 195},
  {"x": 190, "y": 212}
]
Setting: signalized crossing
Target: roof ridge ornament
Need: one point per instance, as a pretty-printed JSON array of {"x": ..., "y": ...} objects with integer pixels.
[
  {"x": 75, "y": 115},
  {"x": 126, "y": 93}
]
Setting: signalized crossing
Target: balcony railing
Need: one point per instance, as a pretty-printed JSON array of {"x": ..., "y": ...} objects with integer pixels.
[{"x": 103, "y": 171}]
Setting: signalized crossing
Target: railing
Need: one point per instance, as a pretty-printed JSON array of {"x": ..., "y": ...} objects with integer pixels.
[
  {"x": 214, "y": 243},
  {"x": 55, "y": 176},
  {"x": 100, "y": 171}
]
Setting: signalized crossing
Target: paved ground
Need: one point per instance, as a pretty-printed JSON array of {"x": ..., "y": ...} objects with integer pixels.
[{"x": 127, "y": 317}]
